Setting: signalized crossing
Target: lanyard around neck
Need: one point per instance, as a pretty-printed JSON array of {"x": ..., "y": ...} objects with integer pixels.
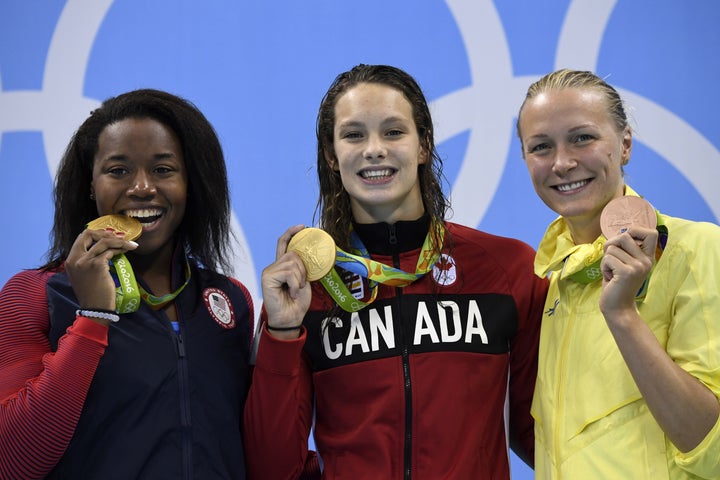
[
  {"x": 360, "y": 263},
  {"x": 128, "y": 293}
]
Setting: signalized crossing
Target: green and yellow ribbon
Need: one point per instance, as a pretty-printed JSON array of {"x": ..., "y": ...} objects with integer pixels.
[
  {"x": 360, "y": 263},
  {"x": 128, "y": 293}
]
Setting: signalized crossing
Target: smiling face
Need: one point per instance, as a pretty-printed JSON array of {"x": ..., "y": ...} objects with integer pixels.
[
  {"x": 377, "y": 153},
  {"x": 574, "y": 153},
  {"x": 139, "y": 171}
]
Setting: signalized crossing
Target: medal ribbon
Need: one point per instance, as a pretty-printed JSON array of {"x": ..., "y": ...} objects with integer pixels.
[
  {"x": 128, "y": 293},
  {"x": 662, "y": 241},
  {"x": 592, "y": 270},
  {"x": 360, "y": 263}
]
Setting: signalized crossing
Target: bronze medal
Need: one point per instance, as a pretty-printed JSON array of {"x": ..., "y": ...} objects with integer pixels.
[
  {"x": 623, "y": 212},
  {"x": 316, "y": 248},
  {"x": 118, "y": 223}
]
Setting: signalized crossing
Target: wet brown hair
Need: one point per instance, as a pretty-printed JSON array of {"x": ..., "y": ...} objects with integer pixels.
[{"x": 333, "y": 207}]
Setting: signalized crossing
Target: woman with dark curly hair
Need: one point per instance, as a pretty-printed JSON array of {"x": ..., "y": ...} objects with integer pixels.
[{"x": 123, "y": 358}]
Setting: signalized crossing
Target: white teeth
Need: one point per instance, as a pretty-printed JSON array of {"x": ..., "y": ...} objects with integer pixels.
[
  {"x": 146, "y": 216},
  {"x": 370, "y": 174},
  {"x": 571, "y": 186},
  {"x": 144, "y": 213}
]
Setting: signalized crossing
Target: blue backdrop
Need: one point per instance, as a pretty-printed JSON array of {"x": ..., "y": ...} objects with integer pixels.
[{"x": 259, "y": 69}]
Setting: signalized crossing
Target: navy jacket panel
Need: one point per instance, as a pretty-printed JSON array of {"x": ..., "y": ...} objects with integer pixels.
[{"x": 168, "y": 405}]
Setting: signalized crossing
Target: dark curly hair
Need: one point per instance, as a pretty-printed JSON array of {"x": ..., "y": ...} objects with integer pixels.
[{"x": 205, "y": 227}]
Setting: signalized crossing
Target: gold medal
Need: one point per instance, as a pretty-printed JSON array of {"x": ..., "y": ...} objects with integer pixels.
[
  {"x": 118, "y": 223},
  {"x": 623, "y": 212},
  {"x": 316, "y": 248}
]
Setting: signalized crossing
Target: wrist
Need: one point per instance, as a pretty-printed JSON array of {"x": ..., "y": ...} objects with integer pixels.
[
  {"x": 284, "y": 333},
  {"x": 622, "y": 321},
  {"x": 98, "y": 314},
  {"x": 283, "y": 329}
]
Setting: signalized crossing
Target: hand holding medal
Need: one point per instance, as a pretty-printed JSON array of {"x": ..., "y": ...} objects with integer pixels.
[
  {"x": 90, "y": 261},
  {"x": 127, "y": 293},
  {"x": 620, "y": 263},
  {"x": 623, "y": 213},
  {"x": 317, "y": 250}
]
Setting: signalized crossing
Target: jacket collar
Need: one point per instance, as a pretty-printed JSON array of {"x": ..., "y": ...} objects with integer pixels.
[{"x": 387, "y": 239}]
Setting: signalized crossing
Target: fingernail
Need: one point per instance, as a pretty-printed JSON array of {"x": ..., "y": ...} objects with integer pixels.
[{"x": 134, "y": 244}]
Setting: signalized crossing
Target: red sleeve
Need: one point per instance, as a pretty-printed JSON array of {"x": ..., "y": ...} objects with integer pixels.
[
  {"x": 278, "y": 411},
  {"x": 530, "y": 292},
  {"x": 41, "y": 393},
  {"x": 251, "y": 308}
]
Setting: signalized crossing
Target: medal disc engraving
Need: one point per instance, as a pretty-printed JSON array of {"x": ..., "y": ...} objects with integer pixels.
[
  {"x": 623, "y": 212},
  {"x": 316, "y": 248},
  {"x": 118, "y": 223}
]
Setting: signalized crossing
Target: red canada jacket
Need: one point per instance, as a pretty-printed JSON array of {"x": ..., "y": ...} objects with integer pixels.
[{"x": 414, "y": 385}]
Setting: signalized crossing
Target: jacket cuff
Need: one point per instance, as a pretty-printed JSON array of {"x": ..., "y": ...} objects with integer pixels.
[
  {"x": 703, "y": 459},
  {"x": 86, "y": 328},
  {"x": 281, "y": 357}
]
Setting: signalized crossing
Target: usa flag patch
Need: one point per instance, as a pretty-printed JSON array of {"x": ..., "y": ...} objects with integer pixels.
[{"x": 218, "y": 304}]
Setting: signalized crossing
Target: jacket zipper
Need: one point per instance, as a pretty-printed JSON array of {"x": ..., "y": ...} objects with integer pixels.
[
  {"x": 559, "y": 424},
  {"x": 408, "y": 409},
  {"x": 392, "y": 238},
  {"x": 407, "y": 383},
  {"x": 185, "y": 416}
]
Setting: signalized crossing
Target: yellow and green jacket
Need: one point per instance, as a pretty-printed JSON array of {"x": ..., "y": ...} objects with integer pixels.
[{"x": 591, "y": 420}]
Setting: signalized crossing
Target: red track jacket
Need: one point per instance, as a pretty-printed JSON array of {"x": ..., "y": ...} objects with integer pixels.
[{"x": 414, "y": 385}]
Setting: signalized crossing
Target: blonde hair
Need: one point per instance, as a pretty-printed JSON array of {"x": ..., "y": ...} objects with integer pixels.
[{"x": 564, "y": 79}]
